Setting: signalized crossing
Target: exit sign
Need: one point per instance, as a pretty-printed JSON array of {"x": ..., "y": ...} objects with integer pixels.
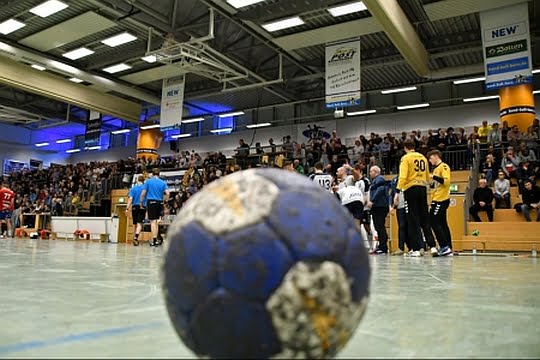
[{"x": 453, "y": 188}]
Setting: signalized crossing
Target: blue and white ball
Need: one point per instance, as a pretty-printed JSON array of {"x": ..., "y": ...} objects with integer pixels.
[{"x": 264, "y": 263}]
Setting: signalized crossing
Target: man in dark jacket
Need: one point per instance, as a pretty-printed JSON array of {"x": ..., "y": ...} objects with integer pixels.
[
  {"x": 483, "y": 199},
  {"x": 378, "y": 203},
  {"x": 531, "y": 200}
]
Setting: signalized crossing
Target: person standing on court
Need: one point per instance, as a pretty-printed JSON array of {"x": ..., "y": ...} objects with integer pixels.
[
  {"x": 440, "y": 201},
  {"x": 7, "y": 205},
  {"x": 154, "y": 193},
  {"x": 138, "y": 212},
  {"x": 413, "y": 181},
  {"x": 378, "y": 203}
]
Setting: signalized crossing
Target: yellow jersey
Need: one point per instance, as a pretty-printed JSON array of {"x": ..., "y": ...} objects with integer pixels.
[
  {"x": 413, "y": 171},
  {"x": 441, "y": 182}
]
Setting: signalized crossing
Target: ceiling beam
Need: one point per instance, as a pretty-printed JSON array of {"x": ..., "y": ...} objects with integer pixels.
[
  {"x": 46, "y": 84},
  {"x": 400, "y": 30}
]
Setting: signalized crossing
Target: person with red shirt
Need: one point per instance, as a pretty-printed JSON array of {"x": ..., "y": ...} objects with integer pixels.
[{"x": 7, "y": 198}]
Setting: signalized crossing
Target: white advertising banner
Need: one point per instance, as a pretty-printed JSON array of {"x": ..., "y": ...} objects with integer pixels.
[
  {"x": 507, "y": 46},
  {"x": 343, "y": 74},
  {"x": 172, "y": 103}
]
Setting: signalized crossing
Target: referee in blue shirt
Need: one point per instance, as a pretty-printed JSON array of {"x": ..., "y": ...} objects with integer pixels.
[
  {"x": 138, "y": 212},
  {"x": 154, "y": 193}
]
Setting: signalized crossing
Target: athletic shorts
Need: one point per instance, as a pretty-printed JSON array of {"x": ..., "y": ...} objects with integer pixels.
[
  {"x": 356, "y": 208},
  {"x": 155, "y": 209},
  {"x": 5, "y": 215},
  {"x": 138, "y": 214}
]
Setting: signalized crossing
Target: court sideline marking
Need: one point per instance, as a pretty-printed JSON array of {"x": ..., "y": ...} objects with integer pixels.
[{"x": 81, "y": 337}]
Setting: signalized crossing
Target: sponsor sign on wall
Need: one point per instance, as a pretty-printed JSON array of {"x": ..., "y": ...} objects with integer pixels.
[
  {"x": 172, "y": 103},
  {"x": 507, "y": 46},
  {"x": 343, "y": 74}
]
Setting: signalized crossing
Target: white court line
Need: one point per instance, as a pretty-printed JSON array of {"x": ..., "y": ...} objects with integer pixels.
[
  {"x": 140, "y": 310},
  {"x": 436, "y": 278}
]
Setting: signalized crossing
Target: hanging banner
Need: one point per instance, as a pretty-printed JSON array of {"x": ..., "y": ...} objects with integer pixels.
[
  {"x": 93, "y": 129},
  {"x": 343, "y": 74},
  {"x": 507, "y": 46},
  {"x": 172, "y": 103}
]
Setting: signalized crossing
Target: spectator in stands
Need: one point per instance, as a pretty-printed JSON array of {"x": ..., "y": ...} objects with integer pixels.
[
  {"x": 483, "y": 132},
  {"x": 510, "y": 163},
  {"x": 531, "y": 200},
  {"x": 526, "y": 154},
  {"x": 525, "y": 172},
  {"x": 460, "y": 139},
  {"x": 357, "y": 151},
  {"x": 258, "y": 148},
  {"x": 504, "y": 131},
  {"x": 495, "y": 136},
  {"x": 272, "y": 145},
  {"x": 536, "y": 127},
  {"x": 451, "y": 137},
  {"x": 489, "y": 168},
  {"x": 298, "y": 167},
  {"x": 483, "y": 199},
  {"x": 502, "y": 191},
  {"x": 514, "y": 137},
  {"x": 531, "y": 138}
]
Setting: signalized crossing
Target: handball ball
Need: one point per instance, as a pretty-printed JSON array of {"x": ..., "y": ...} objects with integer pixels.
[
  {"x": 475, "y": 232},
  {"x": 265, "y": 263}
]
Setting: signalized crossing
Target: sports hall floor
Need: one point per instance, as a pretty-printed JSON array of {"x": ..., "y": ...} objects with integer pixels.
[{"x": 82, "y": 299}]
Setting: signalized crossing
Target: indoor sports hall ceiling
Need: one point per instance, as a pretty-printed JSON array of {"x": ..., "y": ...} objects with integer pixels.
[{"x": 448, "y": 29}]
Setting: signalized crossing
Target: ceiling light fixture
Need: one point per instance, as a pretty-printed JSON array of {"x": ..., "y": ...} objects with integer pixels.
[
  {"x": 63, "y": 141},
  {"x": 194, "y": 120},
  {"x": 222, "y": 130},
  {"x": 347, "y": 9},
  {"x": 38, "y": 67},
  {"x": 122, "y": 131},
  {"x": 283, "y": 24},
  {"x": 150, "y": 58},
  {"x": 93, "y": 148},
  {"x": 11, "y": 25},
  {"x": 467, "y": 81},
  {"x": 536, "y": 71},
  {"x": 48, "y": 8},
  {"x": 254, "y": 126},
  {"x": 76, "y": 80},
  {"x": 481, "y": 98},
  {"x": 119, "y": 39},
  {"x": 78, "y": 53},
  {"x": 237, "y": 4},
  {"x": 398, "y": 90},
  {"x": 42, "y": 144},
  {"x": 236, "y": 113},
  {"x": 365, "y": 112},
  {"x": 149, "y": 127},
  {"x": 536, "y": 92},
  {"x": 117, "y": 68},
  {"x": 72, "y": 151},
  {"x": 415, "y": 106},
  {"x": 178, "y": 136}
]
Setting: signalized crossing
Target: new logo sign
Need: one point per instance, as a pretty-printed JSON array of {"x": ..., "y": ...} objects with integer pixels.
[{"x": 506, "y": 42}]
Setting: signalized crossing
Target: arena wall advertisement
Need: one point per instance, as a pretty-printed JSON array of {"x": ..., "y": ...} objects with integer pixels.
[
  {"x": 343, "y": 74},
  {"x": 507, "y": 46}
]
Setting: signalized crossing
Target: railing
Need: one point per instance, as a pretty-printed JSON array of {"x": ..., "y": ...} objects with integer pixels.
[{"x": 472, "y": 183}]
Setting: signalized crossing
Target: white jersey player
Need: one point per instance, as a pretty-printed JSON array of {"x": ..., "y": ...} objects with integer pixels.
[{"x": 319, "y": 177}]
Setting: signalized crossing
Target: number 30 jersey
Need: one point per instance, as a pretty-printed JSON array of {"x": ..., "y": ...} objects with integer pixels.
[
  {"x": 324, "y": 180},
  {"x": 413, "y": 171}
]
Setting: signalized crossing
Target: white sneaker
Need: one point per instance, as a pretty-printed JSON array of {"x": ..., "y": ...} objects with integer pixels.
[
  {"x": 416, "y": 254},
  {"x": 434, "y": 252}
]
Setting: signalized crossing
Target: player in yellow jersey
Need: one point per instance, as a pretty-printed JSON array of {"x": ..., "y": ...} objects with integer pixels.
[
  {"x": 439, "y": 202},
  {"x": 413, "y": 181}
]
